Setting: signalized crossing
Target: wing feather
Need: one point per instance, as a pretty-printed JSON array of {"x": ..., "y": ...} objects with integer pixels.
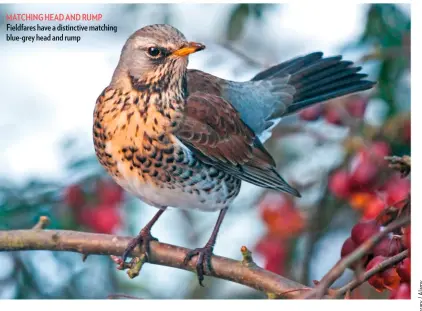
[{"x": 215, "y": 133}]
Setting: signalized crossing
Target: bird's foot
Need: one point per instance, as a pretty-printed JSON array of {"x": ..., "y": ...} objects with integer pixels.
[
  {"x": 143, "y": 239},
  {"x": 203, "y": 263}
]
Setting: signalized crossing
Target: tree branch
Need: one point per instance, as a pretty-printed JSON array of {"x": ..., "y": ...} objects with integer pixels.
[{"x": 161, "y": 254}]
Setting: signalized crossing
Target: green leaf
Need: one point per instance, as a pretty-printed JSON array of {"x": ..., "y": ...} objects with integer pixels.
[
  {"x": 237, "y": 21},
  {"x": 387, "y": 28},
  {"x": 386, "y": 24},
  {"x": 258, "y": 9}
]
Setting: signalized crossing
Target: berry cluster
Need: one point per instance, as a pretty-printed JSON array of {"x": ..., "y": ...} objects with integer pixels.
[
  {"x": 98, "y": 209},
  {"x": 335, "y": 112},
  {"x": 380, "y": 195},
  {"x": 395, "y": 278},
  {"x": 371, "y": 188},
  {"x": 365, "y": 184}
]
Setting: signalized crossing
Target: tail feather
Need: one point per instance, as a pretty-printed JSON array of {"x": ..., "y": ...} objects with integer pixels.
[
  {"x": 317, "y": 79},
  {"x": 290, "y": 65},
  {"x": 327, "y": 72},
  {"x": 359, "y": 86},
  {"x": 319, "y": 70},
  {"x": 317, "y": 67},
  {"x": 311, "y": 91},
  {"x": 323, "y": 79}
]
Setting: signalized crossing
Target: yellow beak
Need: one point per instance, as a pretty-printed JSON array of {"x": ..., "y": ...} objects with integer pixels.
[{"x": 191, "y": 48}]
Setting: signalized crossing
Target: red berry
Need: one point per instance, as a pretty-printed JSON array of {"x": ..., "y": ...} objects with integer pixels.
[
  {"x": 74, "y": 196},
  {"x": 374, "y": 207},
  {"x": 364, "y": 173},
  {"x": 363, "y": 231},
  {"x": 374, "y": 261},
  {"x": 333, "y": 115},
  {"x": 311, "y": 113},
  {"x": 402, "y": 292},
  {"x": 388, "y": 278},
  {"x": 339, "y": 184},
  {"x": 85, "y": 215},
  {"x": 391, "y": 278},
  {"x": 379, "y": 149},
  {"x": 406, "y": 237},
  {"x": 360, "y": 200},
  {"x": 377, "y": 281},
  {"x": 366, "y": 163},
  {"x": 109, "y": 192},
  {"x": 356, "y": 106},
  {"x": 271, "y": 204},
  {"x": 103, "y": 218},
  {"x": 397, "y": 191},
  {"x": 274, "y": 252},
  {"x": 348, "y": 247},
  {"x": 269, "y": 246},
  {"x": 403, "y": 269},
  {"x": 282, "y": 218},
  {"x": 276, "y": 263},
  {"x": 388, "y": 247}
]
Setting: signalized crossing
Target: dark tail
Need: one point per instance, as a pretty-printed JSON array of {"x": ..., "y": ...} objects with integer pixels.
[{"x": 317, "y": 79}]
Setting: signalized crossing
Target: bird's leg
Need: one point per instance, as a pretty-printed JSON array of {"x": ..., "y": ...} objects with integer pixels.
[
  {"x": 143, "y": 238},
  {"x": 204, "y": 253}
]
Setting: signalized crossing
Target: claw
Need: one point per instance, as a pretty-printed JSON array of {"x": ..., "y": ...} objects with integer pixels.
[
  {"x": 203, "y": 263},
  {"x": 143, "y": 239}
]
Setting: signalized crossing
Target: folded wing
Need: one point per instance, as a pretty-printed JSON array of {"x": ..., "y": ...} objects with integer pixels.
[{"x": 214, "y": 132}]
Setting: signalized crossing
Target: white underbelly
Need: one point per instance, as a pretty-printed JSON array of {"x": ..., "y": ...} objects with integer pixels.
[{"x": 165, "y": 197}]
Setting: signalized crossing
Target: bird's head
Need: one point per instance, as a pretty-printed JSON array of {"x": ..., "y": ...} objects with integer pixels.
[{"x": 157, "y": 54}]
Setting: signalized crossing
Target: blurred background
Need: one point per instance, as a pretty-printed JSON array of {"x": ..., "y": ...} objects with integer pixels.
[{"x": 331, "y": 153}]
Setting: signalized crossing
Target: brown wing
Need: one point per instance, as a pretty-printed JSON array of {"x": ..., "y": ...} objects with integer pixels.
[
  {"x": 199, "y": 81},
  {"x": 213, "y": 131}
]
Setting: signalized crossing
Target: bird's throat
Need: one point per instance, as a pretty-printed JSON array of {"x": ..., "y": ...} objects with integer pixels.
[
  {"x": 163, "y": 95},
  {"x": 170, "y": 83}
]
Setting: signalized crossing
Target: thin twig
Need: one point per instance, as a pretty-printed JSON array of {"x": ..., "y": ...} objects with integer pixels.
[
  {"x": 355, "y": 256},
  {"x": 249, "y": 60},
  {"x": 247, "y": 257},
  {"x": 401, "y": 164},
  {"x": 42, "y": 223},
  {"x": 389, "y": 262}
]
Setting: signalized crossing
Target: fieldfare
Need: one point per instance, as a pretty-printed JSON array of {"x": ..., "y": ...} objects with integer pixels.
[{"x": 185, "y": 138}]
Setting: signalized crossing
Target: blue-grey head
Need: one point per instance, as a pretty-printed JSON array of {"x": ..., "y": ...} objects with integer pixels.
[{"x": 156, "y": 54}]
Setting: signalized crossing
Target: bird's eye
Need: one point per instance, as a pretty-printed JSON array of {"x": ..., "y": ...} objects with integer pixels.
[{"x": 154, "y": 52}]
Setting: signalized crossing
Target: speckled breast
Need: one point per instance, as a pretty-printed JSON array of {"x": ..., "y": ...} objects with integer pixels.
[{"x": 135, "y": 144}]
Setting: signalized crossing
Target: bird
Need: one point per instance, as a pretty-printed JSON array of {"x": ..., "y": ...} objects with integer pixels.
[{"x": 183, "y": 138}]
